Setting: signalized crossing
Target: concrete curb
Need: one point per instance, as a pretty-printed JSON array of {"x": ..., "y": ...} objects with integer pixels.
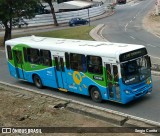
[
  {"x": 155, "y": 73},
  {"x": 113, "y": 117},
  {"x": 95, "y": 33}
]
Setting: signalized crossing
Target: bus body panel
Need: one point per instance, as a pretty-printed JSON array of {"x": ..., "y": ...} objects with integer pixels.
[
  {"x": 12, "y": 70},
  {"x": 79, "y": 82},
  {"x": 135, "y": 91},
  {"x": 47, "y": 75},
  {"x": 16, "y": 65}
]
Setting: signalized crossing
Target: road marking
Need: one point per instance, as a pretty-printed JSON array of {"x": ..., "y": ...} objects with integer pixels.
[
  {"x": 157, "y": 35},
  {"x": 154, "y": 57},
  {"x": 101, "y": 33},
  {"x": 126, "y": 27},
  {"x": 133, "y": 4},
  {"x": 137, "y": 27},
  {"x": 132, "y": 37}
]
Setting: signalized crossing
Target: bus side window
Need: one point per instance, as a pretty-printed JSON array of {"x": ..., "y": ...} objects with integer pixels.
[
  {"x": 115, "y": 72},
  {"x": 84, "y": 65},
  {"x": 33, "y": 55},
  {"x": 46, "y": 57},
  {"x": 62, "y": 64},
  {"x": 73, "y": 61},
  {"x": 56, "y": 63},
  {"x": 25, "y": 54},
  {"x": 109, "y": 74},
  {"x": 78, "y": 62},
  {"x": 9, "y": 52},
  {"x": 67, "y": 60},
  {"x": 94, "y": 64}
]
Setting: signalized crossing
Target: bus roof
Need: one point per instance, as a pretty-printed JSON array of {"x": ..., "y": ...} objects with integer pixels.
[{"x": 97, "y": 48}]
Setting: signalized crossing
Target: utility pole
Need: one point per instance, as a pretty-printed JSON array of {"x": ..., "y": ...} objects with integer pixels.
[{"x": 88, "y": 17}]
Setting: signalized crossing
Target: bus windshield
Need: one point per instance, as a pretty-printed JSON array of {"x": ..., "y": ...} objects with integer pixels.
[{"x": 136, "y": 71}]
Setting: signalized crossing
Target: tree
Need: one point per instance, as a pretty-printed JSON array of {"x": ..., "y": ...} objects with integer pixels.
[
  {"x": 15, "y": 9},
  {"x": 52, "y": 11}
]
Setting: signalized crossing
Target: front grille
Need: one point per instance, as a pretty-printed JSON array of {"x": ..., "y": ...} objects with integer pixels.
[
  {"x": 139, "y": 94},
  {"x": 139, "y": 85},
  {"x": 138, "y": 90},
  {"x": 141, "y": 89}
]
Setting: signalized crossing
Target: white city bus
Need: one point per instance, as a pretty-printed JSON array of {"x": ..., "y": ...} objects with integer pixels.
[{"x": 101, "y": 70}]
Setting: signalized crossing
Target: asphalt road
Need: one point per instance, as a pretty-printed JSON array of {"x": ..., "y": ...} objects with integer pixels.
[
  {"x": 147, "y": 107},
  {"x": 125, "y": 26}
]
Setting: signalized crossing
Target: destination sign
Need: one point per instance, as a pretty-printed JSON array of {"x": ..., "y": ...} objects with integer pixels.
[{"x": 133, "y": 54}]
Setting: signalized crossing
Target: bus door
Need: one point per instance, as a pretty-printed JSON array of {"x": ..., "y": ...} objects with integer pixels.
[
  {"x": 112, "y": 82},
  {"x": 18, "y": 61},
  {"x": 60, "y": 71}
]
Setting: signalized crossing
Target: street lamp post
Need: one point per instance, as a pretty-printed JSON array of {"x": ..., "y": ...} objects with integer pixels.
[{"x": 88, "y": 17}]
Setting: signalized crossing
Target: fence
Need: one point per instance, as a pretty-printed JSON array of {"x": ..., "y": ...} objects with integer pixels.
[{"x": 64, "y": 17}]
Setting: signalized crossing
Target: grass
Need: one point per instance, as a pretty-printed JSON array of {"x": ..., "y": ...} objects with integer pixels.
[{"x": 80, "y": 32}]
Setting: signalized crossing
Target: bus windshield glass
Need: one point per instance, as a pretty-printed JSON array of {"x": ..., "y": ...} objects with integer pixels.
[{"x": 136, "y": 71}]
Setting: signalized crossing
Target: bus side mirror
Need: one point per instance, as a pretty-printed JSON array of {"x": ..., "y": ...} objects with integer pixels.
[{"x": 148, "y": 61}]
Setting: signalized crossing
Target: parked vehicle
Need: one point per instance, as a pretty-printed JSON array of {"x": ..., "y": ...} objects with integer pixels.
[
  {"x": 78, "y": 21},
  {"x": 19, "y": 22},
  {"x": 121, "y": 1}
]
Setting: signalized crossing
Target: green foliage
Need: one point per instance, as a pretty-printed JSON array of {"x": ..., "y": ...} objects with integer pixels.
[
  {"x": 4, "y": 10},
  {"x": 48, "y": 1},
  {"x": 17, "y": 8},
  {"x": 60, "y": 1}
]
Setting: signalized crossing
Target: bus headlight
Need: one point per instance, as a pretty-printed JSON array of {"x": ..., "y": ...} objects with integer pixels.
[
  {"x": 148, "y": 81},
  {"x": 127, "y": 92}
]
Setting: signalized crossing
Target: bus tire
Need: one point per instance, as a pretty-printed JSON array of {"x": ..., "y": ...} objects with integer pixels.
[
  {"x": 37, "y": 81},
  {"x": 96, "y": 95}
]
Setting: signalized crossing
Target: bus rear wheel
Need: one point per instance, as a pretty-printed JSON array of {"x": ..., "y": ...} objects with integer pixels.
[
  {"x": 95, "y": 94},
  {"x": 37, "y": 81}
]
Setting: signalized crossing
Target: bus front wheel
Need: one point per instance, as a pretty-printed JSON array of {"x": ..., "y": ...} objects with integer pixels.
[
  {"x": 37, "y": 81},
  {"x": 95, "y": 94}
]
